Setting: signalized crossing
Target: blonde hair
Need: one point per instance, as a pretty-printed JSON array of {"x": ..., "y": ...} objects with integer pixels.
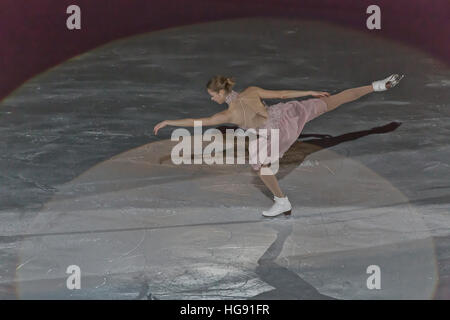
[{"x": 218, "y": 82}]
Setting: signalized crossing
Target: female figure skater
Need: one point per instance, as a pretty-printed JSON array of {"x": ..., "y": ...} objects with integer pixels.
[{"x": 246, "y": 110}]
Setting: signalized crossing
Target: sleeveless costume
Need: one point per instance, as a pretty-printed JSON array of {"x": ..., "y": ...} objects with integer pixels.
[{"x": 288, "y": 117}]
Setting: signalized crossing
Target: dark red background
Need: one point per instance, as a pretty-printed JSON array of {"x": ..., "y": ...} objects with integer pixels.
[{"x": 34, "y": 37}]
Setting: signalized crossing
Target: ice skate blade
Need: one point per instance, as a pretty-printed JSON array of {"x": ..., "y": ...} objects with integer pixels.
[{"x": 286, "y": 214}]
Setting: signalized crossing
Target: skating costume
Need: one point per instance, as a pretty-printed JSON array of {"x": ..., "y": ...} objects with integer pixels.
[{"x": 288, "y": 117}]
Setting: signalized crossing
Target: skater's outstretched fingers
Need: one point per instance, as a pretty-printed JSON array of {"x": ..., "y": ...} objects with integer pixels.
[{"x": 160, "y": 125}]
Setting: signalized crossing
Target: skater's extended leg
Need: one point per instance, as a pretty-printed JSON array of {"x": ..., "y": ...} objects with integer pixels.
[
  {"x": 345, "y": 96},
  {"x": 349, "y": 95}
]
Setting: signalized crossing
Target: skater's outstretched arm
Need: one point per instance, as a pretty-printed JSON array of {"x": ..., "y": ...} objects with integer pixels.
[
  {"x": 286, "y": 94},
  {"x": 218, "y": 118}
]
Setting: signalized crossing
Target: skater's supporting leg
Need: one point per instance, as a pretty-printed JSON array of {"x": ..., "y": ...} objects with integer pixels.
[
  {"x": 271, "y": 182},
  {"x": 282, "y": 204}
]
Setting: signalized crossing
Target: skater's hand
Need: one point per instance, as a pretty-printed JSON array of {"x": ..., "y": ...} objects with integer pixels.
[
  {"x": 160, "y": 125},
  {"x": 319, "y": 94}
]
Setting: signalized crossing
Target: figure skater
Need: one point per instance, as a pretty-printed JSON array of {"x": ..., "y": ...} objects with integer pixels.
[{"x": 247, "y": 110}]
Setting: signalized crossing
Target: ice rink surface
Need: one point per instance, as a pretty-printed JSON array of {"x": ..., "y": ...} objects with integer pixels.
[{"x": 85, "y": 182}]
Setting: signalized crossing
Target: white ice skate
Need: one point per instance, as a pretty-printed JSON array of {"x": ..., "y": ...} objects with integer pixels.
[
  {"x": 281, "y": 206},
  {"x": 393, "y": 80}
]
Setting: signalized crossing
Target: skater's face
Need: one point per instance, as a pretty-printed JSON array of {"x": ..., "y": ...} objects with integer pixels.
[{"x": 218, "y": 97}]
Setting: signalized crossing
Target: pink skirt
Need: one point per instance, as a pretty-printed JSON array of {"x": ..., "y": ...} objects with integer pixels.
[{"x": 289, "y": 118}]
